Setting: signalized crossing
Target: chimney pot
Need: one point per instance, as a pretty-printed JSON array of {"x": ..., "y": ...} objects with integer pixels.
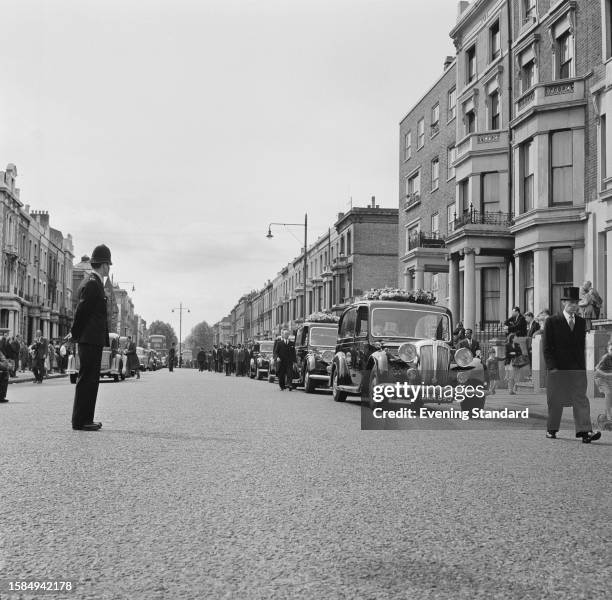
[
  {"x": 373, "y": 202},
  {"x": 462, "y": 6}
]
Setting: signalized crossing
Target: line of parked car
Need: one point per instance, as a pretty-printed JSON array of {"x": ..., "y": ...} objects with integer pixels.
[
  {"x": 378, "y": 342},
  {"x": 114, "y": 360}
]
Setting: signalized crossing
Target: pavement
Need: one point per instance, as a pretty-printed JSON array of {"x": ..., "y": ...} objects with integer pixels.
[
  {"x": 205, "y": 486},
  {"x": 536, "y": 403},
  {"x": 28, "y": 377}
]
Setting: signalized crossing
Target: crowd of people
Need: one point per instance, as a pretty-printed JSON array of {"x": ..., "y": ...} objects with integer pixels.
[{"x": 226, "y": 358}]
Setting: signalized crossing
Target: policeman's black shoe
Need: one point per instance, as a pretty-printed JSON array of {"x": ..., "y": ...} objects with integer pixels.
[
  {"x": 4, "y": 400},
  {"x": 551, "y": 435},
  {"x": 88, "y": 427},
  {"x": 588, "y": 437}
]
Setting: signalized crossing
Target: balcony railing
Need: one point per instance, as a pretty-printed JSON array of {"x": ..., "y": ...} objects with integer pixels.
[
  {"x": 478, "y": 217},
  {"x": 422, "y": 239},
  {"x": 412, "y": 199}
]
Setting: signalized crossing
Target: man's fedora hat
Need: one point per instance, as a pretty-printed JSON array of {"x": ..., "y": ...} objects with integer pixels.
[
  {"x": 102, "y": 254},
  {"x": 571, "y": 293}
]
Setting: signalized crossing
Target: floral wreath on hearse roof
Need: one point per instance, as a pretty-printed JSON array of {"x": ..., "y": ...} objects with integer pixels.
[
  {"x": 397, "y": 295},
  {"x": 322, "y": 317}
]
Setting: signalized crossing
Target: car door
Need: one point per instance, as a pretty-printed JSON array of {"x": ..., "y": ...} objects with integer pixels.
[
  {"x": 346, "y": 338},
  {"x": 361, "y": 346},
  {"x": 300, "y": 347}
]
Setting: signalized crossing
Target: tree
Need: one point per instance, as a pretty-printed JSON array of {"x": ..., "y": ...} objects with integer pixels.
[
  {"x": 166, "y": 329},
  {"x": 201, "y": 335}
]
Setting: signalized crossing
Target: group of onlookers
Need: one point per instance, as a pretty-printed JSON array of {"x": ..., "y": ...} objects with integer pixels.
[{"x": 41, "y": 356}]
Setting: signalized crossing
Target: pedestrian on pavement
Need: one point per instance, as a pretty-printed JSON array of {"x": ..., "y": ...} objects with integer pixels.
[
  {"x": 11, "y": 352},
  {"x": 284, "y": 351},
  {"x": 24, "y": 356},
  {"x": 4, "y": 377},
  {"x": 458, "y": 333},
  {"x": 589, "y": 304},
  {"x": 171, "y": 357},
  {"x": 90, "y": 331},
  {"x": 468, "y": 342},
  {"x": 603, "y": 379},
  {"x": 227, "y": 359},
  {"x": 564, "y": 353},
  {"x": 492, "y": 365},
  {"x": 38, "y": 352},
  {"x": 512, "y": 364},
  {"x": 51, "y": 356},
  {"x": 516, "y": 323},
  {"x": 15, "y": 345},
  {"x": 133, "y": 362},
  {"x": 201, "y": 358}
]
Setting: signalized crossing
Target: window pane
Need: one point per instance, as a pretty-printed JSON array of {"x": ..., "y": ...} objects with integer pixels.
[
  {"x": 562, "y": 182},
  {"x": 490, "y": 192},
  {"x": 562, "y": 149}
]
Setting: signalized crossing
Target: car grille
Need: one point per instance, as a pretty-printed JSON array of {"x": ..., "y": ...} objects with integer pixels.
[{"x": 434, "y": 371}]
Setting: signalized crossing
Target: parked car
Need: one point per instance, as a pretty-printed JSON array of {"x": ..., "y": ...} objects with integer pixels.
[
  {"x": 383, "y": 341},
  {"x": 261, "y": 355},
  {"x": 314, "y": 350},
  {"x": 143, "y": 357},
  {"x": 112, "y": 364}
]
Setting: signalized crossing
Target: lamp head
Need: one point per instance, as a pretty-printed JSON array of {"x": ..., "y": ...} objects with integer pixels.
[{"x": 269, "y": 236}]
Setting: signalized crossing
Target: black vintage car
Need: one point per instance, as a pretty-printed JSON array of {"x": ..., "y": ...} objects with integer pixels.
[
  {"x": 261, "y": 356},
  {"x": 314, "y": 350},
  {"x": 384, "y": 342}
]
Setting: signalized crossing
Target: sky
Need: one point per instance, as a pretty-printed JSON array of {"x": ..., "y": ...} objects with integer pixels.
[{"x": 175, "y": 131}]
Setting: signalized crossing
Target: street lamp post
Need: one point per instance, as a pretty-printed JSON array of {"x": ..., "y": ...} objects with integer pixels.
[
  {"x": 180, "y": 309},
  {"x": 305, "y": 226}
]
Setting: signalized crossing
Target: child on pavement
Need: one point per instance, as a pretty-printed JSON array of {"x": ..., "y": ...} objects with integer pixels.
[
  {"x": 603, "y": 379},
  {"x": 492, "y": 370}
]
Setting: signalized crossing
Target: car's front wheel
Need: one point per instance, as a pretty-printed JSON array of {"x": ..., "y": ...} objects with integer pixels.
[
  {"x": 337, "y": 395},
  {"x": 73, "y": 377}
]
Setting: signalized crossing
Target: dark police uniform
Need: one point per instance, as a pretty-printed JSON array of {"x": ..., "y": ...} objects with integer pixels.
[{"x": 90, "y": 330}]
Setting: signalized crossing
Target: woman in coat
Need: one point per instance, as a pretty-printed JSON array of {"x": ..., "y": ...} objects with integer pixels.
[
  {"x": 133, "y": 362},
  {"x": 513, "y": 373}
]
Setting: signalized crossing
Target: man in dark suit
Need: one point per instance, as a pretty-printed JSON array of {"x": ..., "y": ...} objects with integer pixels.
[
  {"x": 90, "y": 330},
  {"x": 40, "y": 347},
  {"x": 516, "y": 324},
  {"x": 284, "y": 351},
  {"x": 171, "y": 357},
  {"x": 563, "y": 346},
  {"x": 467, "y": 342}
]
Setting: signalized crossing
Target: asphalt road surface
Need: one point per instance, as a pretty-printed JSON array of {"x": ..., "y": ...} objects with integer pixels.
[{"x": 206, "y": 486}]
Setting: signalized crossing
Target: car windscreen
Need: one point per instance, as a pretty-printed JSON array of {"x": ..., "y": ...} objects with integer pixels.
[
  {"x": 266, "y": 346},
  {"x": 323, "y": 336},
  {"x": 410, "y": 323}
]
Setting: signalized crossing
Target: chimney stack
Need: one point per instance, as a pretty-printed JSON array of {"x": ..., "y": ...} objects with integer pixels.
[
  {"x": 373, "y": 202},
  {"x": 461, "y": 7}
]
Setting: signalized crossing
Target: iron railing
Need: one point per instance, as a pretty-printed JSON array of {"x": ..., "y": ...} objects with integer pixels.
[
  {"x": 479, "y": 217},
  {"x": 422, "y": 239}
]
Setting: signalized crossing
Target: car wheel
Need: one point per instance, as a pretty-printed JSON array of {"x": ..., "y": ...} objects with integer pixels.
[
  {"x": 309, "y": 386},
  {"x": 337, "y": 395},
  {"x": 73, "y": 377},
  {"x": 115, "y": 377},
  {"x": 258, "y": 375},
  {"x": 270, "y": 378},
  {"x": 372, "y": 383}
]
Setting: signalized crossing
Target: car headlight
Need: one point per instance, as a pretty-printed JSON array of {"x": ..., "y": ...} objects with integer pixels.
[
  {"x": 463, "y": 357},
  {"x": 259, "y": 361},
  {"x": 327, "y": 356},
  {"x": 463, "y": 376},
  {"x": 407, "y": 352}
]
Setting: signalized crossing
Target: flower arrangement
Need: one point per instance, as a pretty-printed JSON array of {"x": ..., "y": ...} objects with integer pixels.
[
  {"x": 388, "y": 293},
  {"x": 323, "y": 317}
]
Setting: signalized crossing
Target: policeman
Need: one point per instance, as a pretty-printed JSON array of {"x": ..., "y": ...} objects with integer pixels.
[{"x": 90, "y": 330}]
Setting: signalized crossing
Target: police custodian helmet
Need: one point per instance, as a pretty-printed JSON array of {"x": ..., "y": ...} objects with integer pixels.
[{"x": 101, "y": 254}]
